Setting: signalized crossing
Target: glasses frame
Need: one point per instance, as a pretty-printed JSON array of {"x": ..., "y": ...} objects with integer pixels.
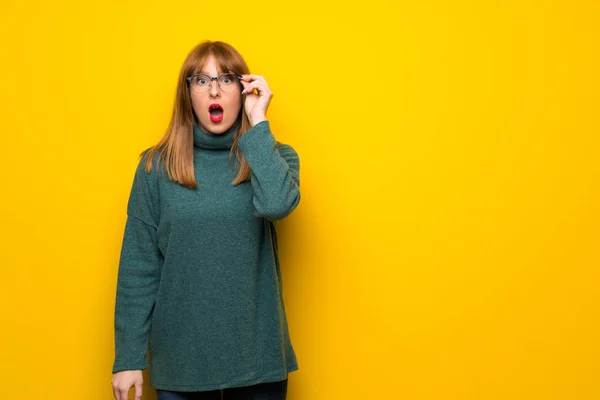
[{"x": 213, "y": 78}]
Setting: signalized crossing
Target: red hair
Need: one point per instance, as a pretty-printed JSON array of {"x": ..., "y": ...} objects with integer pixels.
[{"x": 176, "y": 147}]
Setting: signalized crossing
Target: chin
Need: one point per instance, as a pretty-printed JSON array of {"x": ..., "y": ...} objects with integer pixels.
[{"x": 218, "y": 128}]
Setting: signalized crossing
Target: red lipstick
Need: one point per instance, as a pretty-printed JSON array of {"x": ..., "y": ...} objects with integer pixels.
[{"x": 215, "y": 112}]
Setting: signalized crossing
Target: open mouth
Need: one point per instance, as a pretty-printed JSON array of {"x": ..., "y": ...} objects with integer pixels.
[{"x": 215, "y": 112}]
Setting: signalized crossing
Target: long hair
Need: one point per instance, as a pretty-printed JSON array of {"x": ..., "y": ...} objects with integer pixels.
[{"x": 176, "y": 148}]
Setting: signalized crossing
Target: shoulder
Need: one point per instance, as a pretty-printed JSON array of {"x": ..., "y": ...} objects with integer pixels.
[
  {"x": 144, "y": 201},
  {"x": 149, "y": 170}
]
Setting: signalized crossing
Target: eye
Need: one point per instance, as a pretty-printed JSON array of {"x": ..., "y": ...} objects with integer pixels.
[{"x": 200, "y": 80}]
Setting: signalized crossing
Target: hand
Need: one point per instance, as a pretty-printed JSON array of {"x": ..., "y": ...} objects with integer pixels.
[
  {"x": 256, "y": 104},
  {"x": 123, "y": 381}
]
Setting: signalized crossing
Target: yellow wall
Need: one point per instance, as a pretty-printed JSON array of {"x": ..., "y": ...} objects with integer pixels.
[{"x": 446, "y": 245}]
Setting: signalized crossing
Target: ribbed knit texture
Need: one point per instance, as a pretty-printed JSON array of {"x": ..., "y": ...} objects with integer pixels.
[{"x": 199, "y": 280}]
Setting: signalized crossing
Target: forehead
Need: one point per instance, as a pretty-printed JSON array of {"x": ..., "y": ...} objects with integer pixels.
[{"x": 211, "y": 66}]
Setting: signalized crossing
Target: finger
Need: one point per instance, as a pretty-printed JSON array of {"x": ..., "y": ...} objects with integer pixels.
[
  {"x": 249, "y": 88},
  {"x": 116, "y": 393},
  {"x": 138, "y": 391},
  {"x": 262, "y": 88},
  {"x": 252, "y": 77},
  {"x": 263, "y": 82},
  {"x": 124, "y": 394}
]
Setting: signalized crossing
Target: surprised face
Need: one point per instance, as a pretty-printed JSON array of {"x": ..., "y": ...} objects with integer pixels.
[{"x": 215, "y": 109}]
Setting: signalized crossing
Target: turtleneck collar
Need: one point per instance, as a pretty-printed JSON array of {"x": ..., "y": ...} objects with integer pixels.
[{"x": 210, "y": 141}]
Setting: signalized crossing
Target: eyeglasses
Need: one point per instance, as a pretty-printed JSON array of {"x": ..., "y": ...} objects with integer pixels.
[{"x": 200, "y": 83}]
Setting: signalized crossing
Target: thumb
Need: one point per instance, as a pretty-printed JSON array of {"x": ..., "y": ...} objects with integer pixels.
[{"x": 138, "y": 390}]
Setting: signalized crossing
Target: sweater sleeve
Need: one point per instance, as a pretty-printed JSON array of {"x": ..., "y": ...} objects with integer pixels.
[
  {"x": 139, "y": 274},
  {"x": 275, "y": 172}
]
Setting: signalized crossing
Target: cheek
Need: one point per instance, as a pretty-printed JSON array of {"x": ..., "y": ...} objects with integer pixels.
[
  {"x": 237, "y": 104},
  {"x": 197, "y": 104}
]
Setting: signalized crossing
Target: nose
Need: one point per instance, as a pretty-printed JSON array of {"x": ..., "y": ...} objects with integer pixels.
[{"x": 214, "y": 89}]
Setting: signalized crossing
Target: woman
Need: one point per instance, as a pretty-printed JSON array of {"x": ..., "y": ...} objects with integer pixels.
[{"x": 199, "y": 279}]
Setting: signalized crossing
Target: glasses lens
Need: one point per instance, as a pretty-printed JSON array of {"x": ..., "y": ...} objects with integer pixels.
[
  {"x": 200, "y": 83},
  {"x": 228, "y": 82}
]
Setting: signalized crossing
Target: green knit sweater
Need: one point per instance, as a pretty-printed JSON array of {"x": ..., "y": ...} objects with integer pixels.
[{"x": 199, "y": 280}]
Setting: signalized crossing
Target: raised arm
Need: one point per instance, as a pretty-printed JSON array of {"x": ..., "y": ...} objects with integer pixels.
[{"x": 275, "y": 175}]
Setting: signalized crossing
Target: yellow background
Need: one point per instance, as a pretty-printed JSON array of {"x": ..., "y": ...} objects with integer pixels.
[{"x": 447, "y": 242}]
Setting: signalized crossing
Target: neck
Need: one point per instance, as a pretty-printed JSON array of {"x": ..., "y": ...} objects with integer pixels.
[{"x": 211, "y": 141}]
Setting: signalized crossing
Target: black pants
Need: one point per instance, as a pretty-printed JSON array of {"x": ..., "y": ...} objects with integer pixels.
[{"x": 261, "y": 391}]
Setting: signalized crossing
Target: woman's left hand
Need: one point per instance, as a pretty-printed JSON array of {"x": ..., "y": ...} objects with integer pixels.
[{"x": 256, "y": 104}]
